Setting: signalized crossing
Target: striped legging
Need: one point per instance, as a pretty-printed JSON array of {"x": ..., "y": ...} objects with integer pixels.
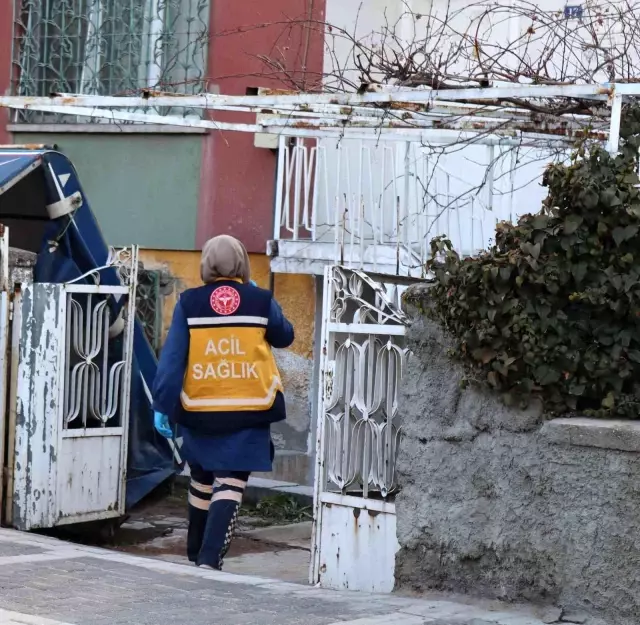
[{"x": 214, "y": 503}]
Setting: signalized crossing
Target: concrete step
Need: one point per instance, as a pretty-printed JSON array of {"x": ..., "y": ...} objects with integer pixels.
[{"x": 260, "y": 488}]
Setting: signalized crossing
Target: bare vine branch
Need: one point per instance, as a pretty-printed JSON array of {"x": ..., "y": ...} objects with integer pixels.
[{"x": 479, "y": 45}]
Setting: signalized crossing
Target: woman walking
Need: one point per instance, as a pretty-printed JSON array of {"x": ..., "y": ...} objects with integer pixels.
[{"x": 218, "y": 381}]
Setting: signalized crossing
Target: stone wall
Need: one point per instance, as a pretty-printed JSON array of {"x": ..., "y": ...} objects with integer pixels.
[
  {"x": 497, "y": 502},
  {"x": 291, "y": 437}
]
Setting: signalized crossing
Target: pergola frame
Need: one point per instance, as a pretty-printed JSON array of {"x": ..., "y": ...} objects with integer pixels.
[{"x": 473, "y": 115}]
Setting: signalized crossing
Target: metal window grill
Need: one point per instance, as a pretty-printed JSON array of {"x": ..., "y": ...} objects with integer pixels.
[
  {"x": 101, "y": 47},
  {"x": 149, "y": 305}
]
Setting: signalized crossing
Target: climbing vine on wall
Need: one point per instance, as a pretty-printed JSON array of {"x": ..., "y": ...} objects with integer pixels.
[{"x": 553, "y": 308}]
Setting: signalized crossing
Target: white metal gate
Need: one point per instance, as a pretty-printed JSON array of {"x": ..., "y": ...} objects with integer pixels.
[
  {"x": 363, "y": 358},
  {"x": 70, "y": 388}
]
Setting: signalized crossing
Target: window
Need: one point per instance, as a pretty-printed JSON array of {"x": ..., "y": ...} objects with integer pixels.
[{"x": 109, "y": 47}]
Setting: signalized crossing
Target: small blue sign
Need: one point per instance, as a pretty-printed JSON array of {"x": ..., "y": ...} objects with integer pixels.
[{"x": 573, "y": 12}]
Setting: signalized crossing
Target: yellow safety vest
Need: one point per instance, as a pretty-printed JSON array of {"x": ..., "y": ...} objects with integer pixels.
[{"x": 231, "y": 366}]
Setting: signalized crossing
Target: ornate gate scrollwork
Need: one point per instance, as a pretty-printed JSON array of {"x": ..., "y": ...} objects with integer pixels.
[
  {"x": 364, "y": 363},
  {"x": 97, "y": 346}
]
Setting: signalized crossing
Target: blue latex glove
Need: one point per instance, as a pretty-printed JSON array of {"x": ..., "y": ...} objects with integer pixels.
[
  {"x": 161, "y": 423},
  {"x": 252, "y": 283}
]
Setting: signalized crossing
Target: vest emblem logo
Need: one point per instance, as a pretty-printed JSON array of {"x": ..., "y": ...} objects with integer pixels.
[{"x": 225, "y": 300}]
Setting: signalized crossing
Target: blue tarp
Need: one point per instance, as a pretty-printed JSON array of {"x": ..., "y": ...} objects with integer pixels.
[
  {"x": 80, "y": 248},
  {"x": 15, "y": 165}
]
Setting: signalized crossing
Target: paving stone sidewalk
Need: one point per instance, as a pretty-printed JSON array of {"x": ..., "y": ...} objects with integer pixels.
[{"x": 47, "y": 582}]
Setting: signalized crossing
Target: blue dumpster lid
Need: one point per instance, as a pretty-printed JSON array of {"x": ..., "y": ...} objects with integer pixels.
[{"x": 14, "y": 166}]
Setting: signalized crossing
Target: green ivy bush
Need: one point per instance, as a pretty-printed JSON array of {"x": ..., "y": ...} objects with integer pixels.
[{"x": 553, "y": 308}]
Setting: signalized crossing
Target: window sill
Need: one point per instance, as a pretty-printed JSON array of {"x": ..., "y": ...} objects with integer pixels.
[{"x": 144, "y": 129}]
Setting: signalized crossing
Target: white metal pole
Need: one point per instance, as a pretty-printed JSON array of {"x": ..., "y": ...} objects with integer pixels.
[
  {"x": 614, "y": 130},
  {"x": 281, "y": 177},
  {"x": 601, "y": 92}
]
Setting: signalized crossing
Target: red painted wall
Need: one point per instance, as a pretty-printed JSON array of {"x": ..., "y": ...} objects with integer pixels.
[
  {"x": 6, "y": 36},
  {"x": 238, "y": 180}
]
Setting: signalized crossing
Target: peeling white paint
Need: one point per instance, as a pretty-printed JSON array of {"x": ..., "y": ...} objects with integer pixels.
[
  {"x": 72, "y": 403},
  {"x": 37, "y": 406}
]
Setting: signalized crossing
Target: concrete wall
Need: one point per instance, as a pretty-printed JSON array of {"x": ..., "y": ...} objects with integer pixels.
[
  {"x": 496, "y": 503},
  {"x": 21, "y": 264},
  {"x": 143, "y": 188}
]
